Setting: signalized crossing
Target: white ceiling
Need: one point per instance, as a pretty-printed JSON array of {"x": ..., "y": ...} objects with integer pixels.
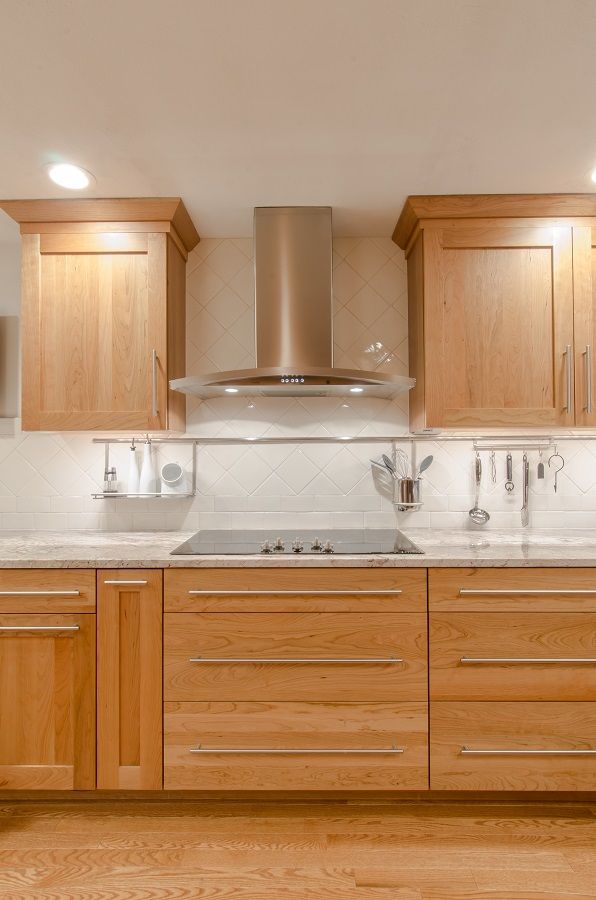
[{"x": 350, "y": 103}]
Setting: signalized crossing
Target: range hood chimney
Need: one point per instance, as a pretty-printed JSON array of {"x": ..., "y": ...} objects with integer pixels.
[{"x": 294, "y": 315}]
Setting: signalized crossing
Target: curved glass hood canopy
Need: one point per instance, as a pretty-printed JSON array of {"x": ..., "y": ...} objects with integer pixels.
[{"x": 294, "y": 318}]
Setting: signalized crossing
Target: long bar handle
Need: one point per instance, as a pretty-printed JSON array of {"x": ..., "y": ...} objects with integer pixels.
[
  {"x": 588, "y": 362},
  {"x": 285, "y": 659},
  {"x": 154, "y": 382},
  {"x": 290, "y": 593},
  {"x": 471, "y": 751},
  {"x": 124, "y": 581},
  {"x": 489, "y": 592},
  {"x": 40, "y": 593},
  {"x": 527, "y": 659},
  {"x": 568, "y": 378},
  {"x": 39, "y": 627},
  {"x": 295, "y": 750}
]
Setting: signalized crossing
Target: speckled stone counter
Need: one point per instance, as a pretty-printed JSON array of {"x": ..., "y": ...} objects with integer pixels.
[{"x": 80, "y": 549}]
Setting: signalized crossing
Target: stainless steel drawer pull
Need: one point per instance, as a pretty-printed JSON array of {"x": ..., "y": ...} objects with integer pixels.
[
  {"x": 200, "y": 749},
  {"x": 469, "y": 592},
  {"x": 539, "y": 661},
  {"x": 154, "y": 409},
  {"x": 494, "y": 752},
  {"x": 291, "y": 593},
  {"x": 119, "y": 581},
  {"x": 568, "y": 379},
  {"x": 39, "y": 627},
  {"x": 40, "y": 593},
  {"x": 285, "y": 659},
  {"x": 588, "y": 361}
]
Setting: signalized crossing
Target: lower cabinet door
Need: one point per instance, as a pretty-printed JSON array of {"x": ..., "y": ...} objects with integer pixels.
[
  {"x": 513, "y": 746},
  {"x": 47, "y": 701},
  {"x": 295, "y": 746}
]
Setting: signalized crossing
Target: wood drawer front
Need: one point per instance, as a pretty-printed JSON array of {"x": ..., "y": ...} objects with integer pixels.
[
  {"x": 47, "y": 590},
  {"x": 296, "y": 726},
  {"x": 513, "y": 590},
  {"x": 496, "y": 656},
  {"x": 295, "y": 590},
  {"x": 293, "y": 636},
  {"x": 518, "y": 727}
]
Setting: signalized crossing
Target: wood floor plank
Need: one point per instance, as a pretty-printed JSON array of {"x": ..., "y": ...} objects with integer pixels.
[{"x": 156, "y": 850}]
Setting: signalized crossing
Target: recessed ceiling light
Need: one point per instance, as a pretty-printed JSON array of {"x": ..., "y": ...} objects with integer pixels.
[
  {"x": 231, "y": 390},
  {"x": 356, "y": 390},
  {"x": 593, "y": 175},
  {"x": 68, "y": 176}
]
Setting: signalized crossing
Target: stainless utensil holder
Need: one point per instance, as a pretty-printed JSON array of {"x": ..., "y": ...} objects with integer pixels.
[{"x": 407, "y": 494}]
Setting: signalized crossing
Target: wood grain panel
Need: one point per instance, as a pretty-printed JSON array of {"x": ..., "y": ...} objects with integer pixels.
[
  {"x": 498, "y": 315},
  {"x": 418, "y": 208},
  {"x": 129, "y": 679},
  {"x": 47, "y": 702},
  {"x": 109, "y": 242},
  {"x": 416, "y": 335},
  {"x": 47, "y": 590},
  {"x": 118, "y": 209},
  {"x": 294, "y": 635},
  {"x": 295, "y": 725},
  {"x": 518, "y": 636},
  {"x": 584, "y": 320},
  {"x": 349, "y": 590},
  {"x": 512, "y": 726},
  {"x": 176, "y": 334},
  {"x": 519, "y": 590}
]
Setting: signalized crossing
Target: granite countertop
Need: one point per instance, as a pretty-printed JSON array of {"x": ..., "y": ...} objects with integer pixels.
[{"x": 80, "y": 549}]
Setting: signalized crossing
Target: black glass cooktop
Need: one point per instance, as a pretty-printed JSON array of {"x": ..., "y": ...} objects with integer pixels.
[{"x": 320, "y": 543}]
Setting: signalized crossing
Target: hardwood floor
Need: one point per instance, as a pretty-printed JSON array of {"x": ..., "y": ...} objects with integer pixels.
[{"x": 352, "y": 850}]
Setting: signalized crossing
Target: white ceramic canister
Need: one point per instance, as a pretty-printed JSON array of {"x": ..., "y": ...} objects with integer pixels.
[{"x": 173, "y": 480}]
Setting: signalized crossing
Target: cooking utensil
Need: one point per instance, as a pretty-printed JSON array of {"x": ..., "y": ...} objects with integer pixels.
[
  {"x": 509, "y": 485},
  {"x": 389, "y": 463},
  {"x": 477, "y": 515},
  {"x": 556, "y": 455},
  {"x": 424, "y": 465},
  {"x": 525, "y": 513},
  {"x": 540, "y": 469},
  {"x": 493, "y": 467},
  {"x": 402, "y": 464}
]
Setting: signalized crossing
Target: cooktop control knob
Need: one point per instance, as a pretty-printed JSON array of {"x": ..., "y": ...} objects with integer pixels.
[
  {"x": 266, "y": 547},
  {"x": 297, "y": 546},
  {"x": 316, "y": 546},
  {"x": 328, "y": 548},
  {"x": 279, "y": 545}
]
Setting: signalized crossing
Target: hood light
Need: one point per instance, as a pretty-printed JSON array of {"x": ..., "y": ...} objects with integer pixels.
[
  {"x": 231, "y": 390},
  {"x": 68, "y": 176},
  {"x": 356, "y": 390}
]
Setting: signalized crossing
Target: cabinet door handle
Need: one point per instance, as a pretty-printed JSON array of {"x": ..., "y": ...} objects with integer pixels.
[
  {"x": 39, "y": 627},
  {"x": 266, "y": 750},
  {"x": 562, "y": 660},
  {"x": 124, "y": 581},
  {"x": 285, "y": 659},
  {"x": 469, "y": 592},
  {"x": 40, "y": 593},
  {"x": 568, "y": 379},
  {"x": 154, "y": 383},
  {"x": 291, "y": 593},
  {"x": 471, "y": 751},
  {"x": 588, "y": 364}
]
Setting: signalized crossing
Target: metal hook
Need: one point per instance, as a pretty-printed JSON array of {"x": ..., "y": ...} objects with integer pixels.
[{"x": 556, "y": 455}]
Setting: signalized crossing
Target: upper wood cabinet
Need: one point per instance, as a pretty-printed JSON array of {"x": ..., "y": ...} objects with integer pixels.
[
  {"x": 103, "y": 312},
  {"x": 502, "y": 309}
]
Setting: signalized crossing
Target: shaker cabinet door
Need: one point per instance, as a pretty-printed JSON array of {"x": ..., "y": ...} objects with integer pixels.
[
  {"x": 47, "y": 701},
  {"x": 498, "y": 325}
]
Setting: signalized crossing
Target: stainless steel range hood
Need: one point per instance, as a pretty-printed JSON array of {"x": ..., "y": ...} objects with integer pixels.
[{"x": 294, "y": 316}]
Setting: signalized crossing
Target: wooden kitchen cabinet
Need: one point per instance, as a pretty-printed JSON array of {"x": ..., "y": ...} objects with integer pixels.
[
  {"x": 295, "y": 679},
  {"x": 47, "y": 680},
  {"x": 512, "y": 656},
  {"x": 103, "y": 312},
  {"x": 502, "y": 309},
  {"x": 129, "y": 679}
]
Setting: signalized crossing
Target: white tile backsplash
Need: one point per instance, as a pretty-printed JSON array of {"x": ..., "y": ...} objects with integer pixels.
[{"x": 46, "y": 479}]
